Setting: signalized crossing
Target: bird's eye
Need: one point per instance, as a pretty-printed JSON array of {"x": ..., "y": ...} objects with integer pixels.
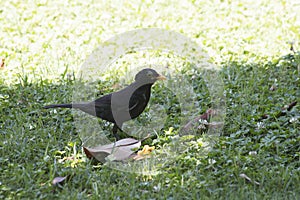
[{"x": 149, "y": 74}]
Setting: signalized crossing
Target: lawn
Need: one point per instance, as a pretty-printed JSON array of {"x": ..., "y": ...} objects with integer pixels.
[{"x": 255, "y": 48}]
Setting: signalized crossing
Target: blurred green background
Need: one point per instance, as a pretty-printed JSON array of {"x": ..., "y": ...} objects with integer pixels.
[{"x": 42, "y": 38}]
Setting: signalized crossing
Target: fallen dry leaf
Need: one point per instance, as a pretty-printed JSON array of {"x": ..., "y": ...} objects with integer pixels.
[
  {"x": 146, "y": 150},
  {"x": 283, "y": 111},
  {"x": 286, "y": 108},
  {"x": 144, "y": 153},
  {"x": 116, "y": 151},
  {"x": 273, "y": 88},
  {"x": 291, "y": 105},
  {"x": 264, "y": 116},
  {"x": 206, "y": 116}
]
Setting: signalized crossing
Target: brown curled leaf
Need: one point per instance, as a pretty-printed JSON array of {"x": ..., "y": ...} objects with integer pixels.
[{"x": 116, "y": 151}]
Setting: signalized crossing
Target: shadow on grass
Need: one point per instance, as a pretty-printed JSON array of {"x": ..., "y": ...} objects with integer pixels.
[{"x": 258, "y": 141}]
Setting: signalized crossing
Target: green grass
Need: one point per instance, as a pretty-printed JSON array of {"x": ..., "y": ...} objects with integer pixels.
[
  {"x": 33, "y": 141},
  {"x": 43, "y": 47}
]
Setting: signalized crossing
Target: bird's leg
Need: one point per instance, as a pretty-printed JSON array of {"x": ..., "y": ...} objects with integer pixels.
[
  {"x": 116, "y": 135},
  {"x": 115, "y": 131}
]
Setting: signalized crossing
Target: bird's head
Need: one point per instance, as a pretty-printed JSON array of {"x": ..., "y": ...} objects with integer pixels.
[{"x": 148, "y": 75}]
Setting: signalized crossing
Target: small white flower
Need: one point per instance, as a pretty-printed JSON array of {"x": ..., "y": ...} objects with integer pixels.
[
  {"x": 252, "y": 153},
  {"x": 211, "y": 161},
  {"x": 260, "y": 125},
  {"x": 294, "y": 119}
]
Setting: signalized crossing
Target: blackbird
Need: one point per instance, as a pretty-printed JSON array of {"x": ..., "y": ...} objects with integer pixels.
[{"x": 123, "y": 105}]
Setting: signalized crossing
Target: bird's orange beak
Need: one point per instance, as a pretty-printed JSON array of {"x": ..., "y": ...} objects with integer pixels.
[{"x": 161, "y": 77}]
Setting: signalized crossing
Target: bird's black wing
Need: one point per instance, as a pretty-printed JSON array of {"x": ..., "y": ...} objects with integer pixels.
[{"x": 103, "y": 107}]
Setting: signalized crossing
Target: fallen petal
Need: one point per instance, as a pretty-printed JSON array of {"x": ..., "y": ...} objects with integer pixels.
[{"x": 58, "y": 179}]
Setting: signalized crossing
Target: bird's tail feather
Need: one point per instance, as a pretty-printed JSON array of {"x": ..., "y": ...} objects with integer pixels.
[{"x": 58, "y": 106}]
